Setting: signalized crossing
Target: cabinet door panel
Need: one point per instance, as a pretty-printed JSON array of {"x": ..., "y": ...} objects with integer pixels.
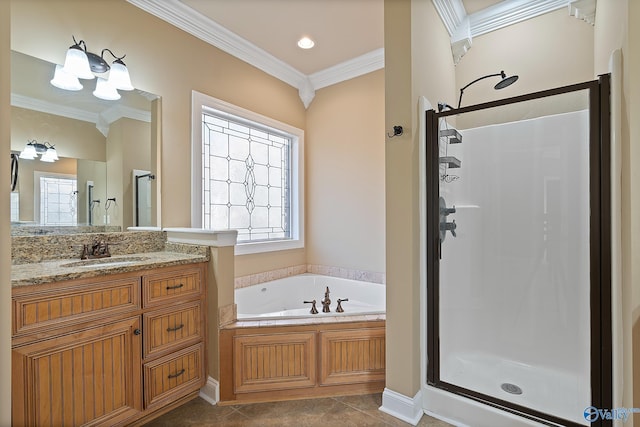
[{"x": 90, "y": 377}]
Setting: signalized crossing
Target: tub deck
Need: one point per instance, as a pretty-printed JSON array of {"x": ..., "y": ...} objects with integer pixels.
[{"x": 297, "y": 359}]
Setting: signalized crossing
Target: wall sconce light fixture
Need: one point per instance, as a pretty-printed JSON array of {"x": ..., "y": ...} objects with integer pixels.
[
  {"x": 82, "y": 64},
  {"x": 34, "y": 148}
]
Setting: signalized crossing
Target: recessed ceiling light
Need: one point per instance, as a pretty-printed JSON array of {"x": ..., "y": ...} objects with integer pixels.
[{"x": 306, "y": 43}]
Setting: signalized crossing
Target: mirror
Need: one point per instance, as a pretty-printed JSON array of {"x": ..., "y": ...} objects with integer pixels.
[{"x": 101, "y": 146}]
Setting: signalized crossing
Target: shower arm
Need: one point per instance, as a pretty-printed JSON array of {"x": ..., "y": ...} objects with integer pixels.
[{"x": 476, "y": 81}]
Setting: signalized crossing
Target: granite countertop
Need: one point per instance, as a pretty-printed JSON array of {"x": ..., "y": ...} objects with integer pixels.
[{"x": 66, "y": 269}]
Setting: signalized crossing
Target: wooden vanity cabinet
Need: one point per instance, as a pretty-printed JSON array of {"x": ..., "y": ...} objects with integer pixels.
[{"x": 107, "y": 351}]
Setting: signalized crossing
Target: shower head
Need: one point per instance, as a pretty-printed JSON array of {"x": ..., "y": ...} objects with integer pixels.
[{"x": 506, "y": 81}]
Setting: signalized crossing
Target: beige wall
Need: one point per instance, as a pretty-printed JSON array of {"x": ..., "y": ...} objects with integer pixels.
[
  {"x": 418, "y": 62},
  {"x": 128, "y": 148},
  {"x": 551, "y": 50},
  {"x": 156, "y": 56},
  {"x": 5, "y": 242},
  {"x": 345, "y": 175},
  {"x": 631, "y": 217},
  {"x": 616, "y": 28},
  {"x": 72, "y": 138}
]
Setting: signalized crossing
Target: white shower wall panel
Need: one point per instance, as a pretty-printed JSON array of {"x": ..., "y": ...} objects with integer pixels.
[{"x": 515, "y": 281}]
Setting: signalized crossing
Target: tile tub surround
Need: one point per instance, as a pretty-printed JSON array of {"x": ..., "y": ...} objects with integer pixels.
[{"x": 343, "y": 273}]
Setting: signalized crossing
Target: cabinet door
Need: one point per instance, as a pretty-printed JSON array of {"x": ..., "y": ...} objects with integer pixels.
[{"x": 89, "y": 377}]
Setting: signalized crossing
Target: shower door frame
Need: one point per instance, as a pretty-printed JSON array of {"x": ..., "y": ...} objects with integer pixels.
[{"x": 599, "y": 252}]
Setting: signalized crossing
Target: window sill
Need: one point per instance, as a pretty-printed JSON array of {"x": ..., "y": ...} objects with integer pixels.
[{"x": 247, "y": 248}]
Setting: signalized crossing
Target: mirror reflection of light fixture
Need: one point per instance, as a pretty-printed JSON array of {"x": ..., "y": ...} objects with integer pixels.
[
  {"x": 82, "y": 64},
  {"x": 34, "y": 148}
]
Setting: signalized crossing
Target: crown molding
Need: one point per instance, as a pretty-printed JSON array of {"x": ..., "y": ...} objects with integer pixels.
[
  {"x": 452, "y": 13},
  {"x": 350, "y": 69},
  {"x": 510, "y": 12},
  {"x": 102, "y": 120},
  {"x": 181, "y": 16},
  {"x": 462, "y": 27},
  {"x": 52, "y": 108},
  {"x": 584, "y": 9}
]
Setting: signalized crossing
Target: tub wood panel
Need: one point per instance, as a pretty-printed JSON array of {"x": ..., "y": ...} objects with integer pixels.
[
  {"x": 352, "y": 356},
  {"x": 274, "y": 362},
  {"x": 271, "y": 363}
]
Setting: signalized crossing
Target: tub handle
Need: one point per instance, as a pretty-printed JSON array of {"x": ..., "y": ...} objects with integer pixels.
[
  {"x": 339, "y": 309},
  {"x": 314, "y": 310}
]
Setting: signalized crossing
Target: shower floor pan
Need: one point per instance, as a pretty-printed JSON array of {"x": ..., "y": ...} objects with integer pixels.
[{"x": 548, "y": 390}]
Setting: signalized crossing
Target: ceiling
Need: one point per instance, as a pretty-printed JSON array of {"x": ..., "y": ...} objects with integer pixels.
[
  {"x": 349, "y": 34},
  {"x": 342, "y": 29}
]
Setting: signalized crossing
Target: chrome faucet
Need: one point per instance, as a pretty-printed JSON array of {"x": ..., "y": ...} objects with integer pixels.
[{"x": 326, "y": 302}]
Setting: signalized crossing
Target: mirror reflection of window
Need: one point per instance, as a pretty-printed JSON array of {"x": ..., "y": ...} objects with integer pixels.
[
  {"x": 58, "y": 199},
  {"x": 15, "y": 207}
]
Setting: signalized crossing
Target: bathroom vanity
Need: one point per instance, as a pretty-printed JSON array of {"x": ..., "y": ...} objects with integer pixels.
[{"x": 107, "y": 342}]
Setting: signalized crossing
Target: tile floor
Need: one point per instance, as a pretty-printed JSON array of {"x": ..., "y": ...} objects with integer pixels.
[{"x": 346, "y": 411}]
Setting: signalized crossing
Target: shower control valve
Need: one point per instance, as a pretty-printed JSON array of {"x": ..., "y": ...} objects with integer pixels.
[{"x": 451, "y": 226}]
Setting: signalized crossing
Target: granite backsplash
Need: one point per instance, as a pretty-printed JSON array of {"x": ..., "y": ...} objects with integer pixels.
[{"x": 30, "y": 249}]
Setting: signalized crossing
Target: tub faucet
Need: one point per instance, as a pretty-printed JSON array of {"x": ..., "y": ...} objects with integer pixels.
[
  {"x": 326, "y": 302},
  {"x": 339, "y": 309},
  {"x": 314, "y": 310}
]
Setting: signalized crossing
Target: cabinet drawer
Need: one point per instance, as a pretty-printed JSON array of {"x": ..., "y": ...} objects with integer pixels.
[
  {"x": 174, "y": 375},
  {"x": 166, "y": 286},
  {"x": 75, "y": 303},
  {"x": 166, "y": 329}
]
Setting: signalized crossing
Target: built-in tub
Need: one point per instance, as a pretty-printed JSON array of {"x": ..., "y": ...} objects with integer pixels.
[
  {"x": 278, "y": 350},
  {"x": 285, "y": 297}
]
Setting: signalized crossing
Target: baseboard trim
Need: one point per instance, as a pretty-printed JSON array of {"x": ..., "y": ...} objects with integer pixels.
[
  {"x": 402, "y": 407},
  {"x": 211, "y": 391}
]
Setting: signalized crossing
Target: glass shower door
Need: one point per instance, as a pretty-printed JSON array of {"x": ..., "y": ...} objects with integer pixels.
[{"x": 514, "y": 256}]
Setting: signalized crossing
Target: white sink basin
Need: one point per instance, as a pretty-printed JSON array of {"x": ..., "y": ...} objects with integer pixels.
[{"x": 106, "y": 262}]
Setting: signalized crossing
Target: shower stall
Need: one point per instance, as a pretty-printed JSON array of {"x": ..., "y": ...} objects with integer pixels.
[{"x": 518, "y": 258}]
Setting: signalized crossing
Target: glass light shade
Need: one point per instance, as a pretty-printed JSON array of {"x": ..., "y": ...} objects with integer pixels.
[
  {"x": 63, "y": 80},
  {"x": 76, "y": 63},
  {"x": 29, "y": 152},
  {"x": 119, "y": 77},
  {"x": 50, "y": 155},
  {"x": 105, "y": 91}
]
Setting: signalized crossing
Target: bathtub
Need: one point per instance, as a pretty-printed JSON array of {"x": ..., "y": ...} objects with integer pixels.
[
  {"x": 278, "y": 350},
  {"x": 283, "y": 298}
]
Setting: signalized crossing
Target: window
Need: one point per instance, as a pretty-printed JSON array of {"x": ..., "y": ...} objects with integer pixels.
[
  {"x": 58, "y": 199},
  {"x": 247, "y": 176}
]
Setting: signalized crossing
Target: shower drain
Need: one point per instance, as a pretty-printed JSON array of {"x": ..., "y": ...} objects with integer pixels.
[{"x": 511, "y": 388}]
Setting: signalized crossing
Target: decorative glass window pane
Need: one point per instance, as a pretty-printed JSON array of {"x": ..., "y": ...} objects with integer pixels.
[{"x": 246, "y": 174}]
